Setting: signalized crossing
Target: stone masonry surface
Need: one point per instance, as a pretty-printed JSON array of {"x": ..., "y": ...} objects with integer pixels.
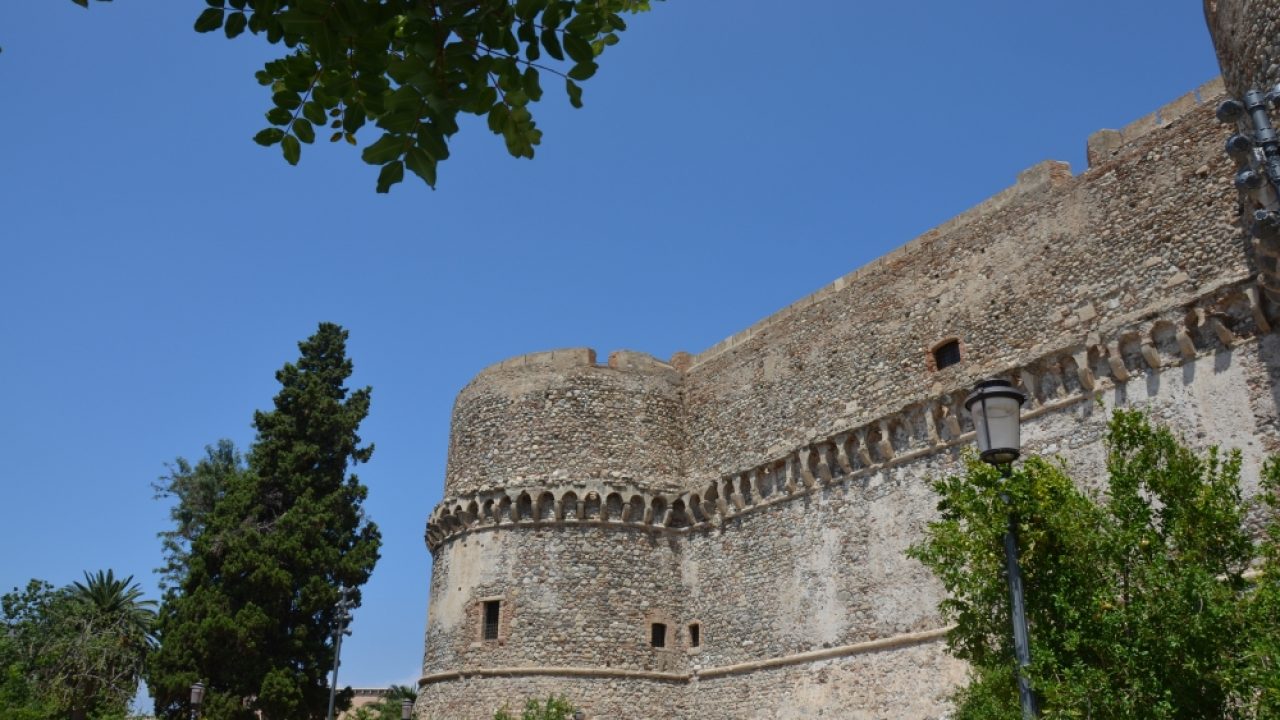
[{"x": 765, "y": 490}]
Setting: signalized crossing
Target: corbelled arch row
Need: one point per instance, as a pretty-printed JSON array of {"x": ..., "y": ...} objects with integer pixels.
[{"x": 1214, "y": 323}]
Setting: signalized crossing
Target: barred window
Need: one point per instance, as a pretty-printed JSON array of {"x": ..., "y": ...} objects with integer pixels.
[
  {"x": 946, "y": 354},
  {"x": 492, "y": 614}
]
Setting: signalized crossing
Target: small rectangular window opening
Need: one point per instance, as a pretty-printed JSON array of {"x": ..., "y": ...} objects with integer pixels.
[
  {"x": 492, "y": 612},
  {"x": 947, "y": 354},
  {"x": 695, "y": 635},
  {"x": 658, "y": 635}
]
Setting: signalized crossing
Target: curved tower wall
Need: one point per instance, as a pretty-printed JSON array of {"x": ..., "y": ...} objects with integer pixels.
[
  {"x": 766, "y": 490},
  {"x": 551, "y": 416}
]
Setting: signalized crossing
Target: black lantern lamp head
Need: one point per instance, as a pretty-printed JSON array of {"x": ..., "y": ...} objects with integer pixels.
[{"x": 996, "y": 409}]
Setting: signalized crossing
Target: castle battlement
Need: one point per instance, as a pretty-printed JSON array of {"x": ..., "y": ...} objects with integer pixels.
[{"x": 723, "y": 535}]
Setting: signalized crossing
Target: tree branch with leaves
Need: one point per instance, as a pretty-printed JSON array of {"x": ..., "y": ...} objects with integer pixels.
[{"x": 410, "y": 67}]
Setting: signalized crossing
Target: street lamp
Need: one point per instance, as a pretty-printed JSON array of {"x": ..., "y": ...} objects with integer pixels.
[
  {"x": 995, "y": 406},
  {"x": 406, "y": 709},
  {"x": 197, "y": 697},
  {"x": 345, "y": 603},
  {"x": 1256, "y": 150}
]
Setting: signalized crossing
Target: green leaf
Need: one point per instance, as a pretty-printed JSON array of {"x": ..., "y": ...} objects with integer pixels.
[
  {"x": 579, "y": 50},
  {"x": 286, "y": 99},
  {"x": 575, "y": 93},
  {"x": 304, "y": 130},
  {"x": 431, "y": 141},
  {"x": 211, "y": 3},
  {"x": 583, "y": 71},
  {"x": 552, "y": 44},
  {"x": 268, "y": 137},
  {"x": 391, "y": 174},
  {"x": 315, "y": 113},
  {"x": 279, "y": 116},
  {"x": 81, "y": 3},
  {"x": 291, "y": 149},
  {"x": 235, "y": 24},
  {"x": 387, "y": 148},
  {"x": 532, "y": 87},
  {"x": 422, "y": 165},
  {"x": 209, "y": 20}
]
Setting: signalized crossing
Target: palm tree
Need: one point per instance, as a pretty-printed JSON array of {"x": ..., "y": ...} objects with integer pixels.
[
  {"x": 402, "y": 692},
  {"x": 118, "y": 603},
  {"x": 108, "y": 642}
]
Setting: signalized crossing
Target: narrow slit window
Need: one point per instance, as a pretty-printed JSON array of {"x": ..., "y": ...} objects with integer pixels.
[
  {"x": 946, "y": 354},
  {"x": 658, "y": 635},
  {"x": 492, "y": 613},
  {"x": 695, "y": 635}
]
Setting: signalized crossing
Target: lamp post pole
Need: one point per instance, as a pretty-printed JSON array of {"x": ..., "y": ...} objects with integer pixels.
[
  {"x": 996, "y": 409},
  {"x": 344, "y": 617}
]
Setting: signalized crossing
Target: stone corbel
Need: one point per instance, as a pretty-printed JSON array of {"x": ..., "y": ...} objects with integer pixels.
[
  {"x": 1151, "y": 355},
  {"x": 842, "y": 453},
  {"x": 1083, "y": 372},
  {"x": 1225, "y": 336},
  {"x": 1116, "y": 361},
  {"x": 864, "y": 455},
  {"x": 722, "y": 508},
  {"x": 801, "y": 459},
  {"x": 884, "y": 446},
  {"x": 1255, "y": 305},
  {"x": 824, "y": 463},
  {"x": 930, "y": 424},
  {"x": 1186, "y": 347}
]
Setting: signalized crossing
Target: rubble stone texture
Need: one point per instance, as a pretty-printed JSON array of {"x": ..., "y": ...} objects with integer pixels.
[
  {"x": 1246, "y": 36},
  {"x": 766, "y": 489}
]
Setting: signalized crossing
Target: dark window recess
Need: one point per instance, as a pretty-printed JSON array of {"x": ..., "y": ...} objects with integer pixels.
[
  {"x": 695, "y": 635},
  {"x": 492, "y": 612},
  {"x": 947, "y": 354},
  {"x": 658, "y": 635}
]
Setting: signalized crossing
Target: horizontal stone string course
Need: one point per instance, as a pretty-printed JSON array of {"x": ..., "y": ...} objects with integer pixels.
[
  {"x": 1218, "y": 320},
  {"x": 869, "y": 646}
]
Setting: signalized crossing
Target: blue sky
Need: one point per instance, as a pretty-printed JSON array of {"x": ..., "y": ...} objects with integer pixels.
[{"x": 157, "y": 267}]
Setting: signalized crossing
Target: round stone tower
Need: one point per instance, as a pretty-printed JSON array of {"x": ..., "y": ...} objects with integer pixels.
[{"x": 549, "y": 554}]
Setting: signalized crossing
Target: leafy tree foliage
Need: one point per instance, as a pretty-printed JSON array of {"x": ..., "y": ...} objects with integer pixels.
[
  {"x": 73, "y": 652},
  {"x": 555, "y": 708},
  {"x": 410, "y": 67},
  {"x": 261, "y": 547},
  {"x": 195, "y": 490},
  {"x": 1137, "y": 600}
]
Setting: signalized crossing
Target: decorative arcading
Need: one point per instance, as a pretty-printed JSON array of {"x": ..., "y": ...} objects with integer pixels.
[{"x": 1218, "y": 320}]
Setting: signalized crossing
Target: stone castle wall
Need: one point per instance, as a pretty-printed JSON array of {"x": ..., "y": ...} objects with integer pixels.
[{"x": 766, "y": 489}]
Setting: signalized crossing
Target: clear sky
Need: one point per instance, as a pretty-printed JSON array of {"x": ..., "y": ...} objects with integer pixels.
[{"x": 157, "y": 267}]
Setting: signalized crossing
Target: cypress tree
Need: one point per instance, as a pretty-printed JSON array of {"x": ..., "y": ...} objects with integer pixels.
[{"x": 251, "y": 609}]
